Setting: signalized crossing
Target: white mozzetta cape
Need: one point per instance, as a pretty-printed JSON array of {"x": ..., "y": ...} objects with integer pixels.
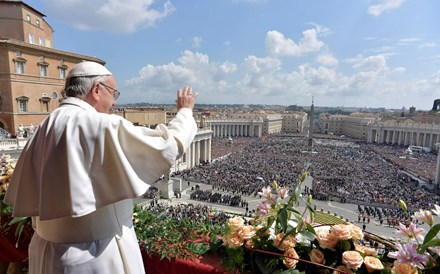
[{"x": 80, "y": 160}]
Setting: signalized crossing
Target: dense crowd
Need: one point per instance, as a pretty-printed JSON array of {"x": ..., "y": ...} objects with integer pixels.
[
  {"x": 340, "y": 168},
  {"x": 197, "y": 213},
  {"x": 223, "y": 146},
  {"x": 218, "y": 198}
]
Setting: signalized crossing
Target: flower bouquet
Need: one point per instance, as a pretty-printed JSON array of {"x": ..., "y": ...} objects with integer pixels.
[
  {"x": 281, "y": 239},
  {"x": 15, "y": 233}
]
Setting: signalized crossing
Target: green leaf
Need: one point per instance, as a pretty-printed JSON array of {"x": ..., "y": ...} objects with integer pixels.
[
  {"x": 432, "y": 233},
  {"x": 17, "y": 220},
  {"x": 310, "y": 228},
  {"x": 282, "y": 219},
  {"x": 435, "y": 242},
  {"x": 270, "y": 221},
  {"x": 308, "y": 235}
]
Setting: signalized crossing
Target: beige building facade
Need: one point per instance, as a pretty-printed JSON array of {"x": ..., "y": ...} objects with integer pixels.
[
  {"x": 354, "y": 125},
  {"x": 143, "y": 116},
  {"x": 32, "y": 73},
  {"x": 294, "y": 122},
  {"x": 397, "y": 131}
]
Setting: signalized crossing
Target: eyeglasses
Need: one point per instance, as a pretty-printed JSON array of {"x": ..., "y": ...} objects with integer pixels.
[{"x": 115, "y": 92}]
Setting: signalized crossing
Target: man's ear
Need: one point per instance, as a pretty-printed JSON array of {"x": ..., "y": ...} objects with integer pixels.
[
  {"x": 93, "y": 96},
  {"x": 94, "y": 91}
]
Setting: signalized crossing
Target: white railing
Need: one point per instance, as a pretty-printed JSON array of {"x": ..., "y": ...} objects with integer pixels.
[{"x": 12, "y": 144}]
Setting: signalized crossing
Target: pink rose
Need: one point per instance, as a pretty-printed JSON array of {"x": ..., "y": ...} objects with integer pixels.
[
  {"x": 234, "y": 241},
  {"x": 352, "y": 259},
  {"x": 326, "y": 240},
  {"x": 249, "y": 244},
  {"x": 289, "y": 242},
  {"x": 317, "y": 256},
  {"x": 356, "y": 232},
  {"x": 290, "y": 260},
  {"x": 246, "y": 232},
  {"x": 341, "y": 231},
  {"x": 404, "y": 268},
  {"x": 235, "y": 223},
  {"x": 343, "y": 268},
  {"x": 372, "y": 264}
]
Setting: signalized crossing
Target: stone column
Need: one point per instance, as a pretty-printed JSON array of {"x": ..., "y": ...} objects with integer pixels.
[
  {"x": 437, "y": 171},
  {"x": 209, "y": 149},
  {"x": 197, "y": 153}
]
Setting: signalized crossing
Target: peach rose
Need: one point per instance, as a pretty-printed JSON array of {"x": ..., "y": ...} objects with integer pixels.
[
  {"x": 359, "y": 248},
  {"x": 341, "y": 231},
  {"x": 352, "y": 259},
  {"x": 317, "y": 256},
  {"x": 235, "y": 223},
  {"x": 289, "y": 242},
  {"x": 249, "y": 244},
  {"x": 326, "y": 240},
  {"x": 343, "y": 268},
  {"x": 372, "y": 264},
  {"x": 290, "y": 260},
  {"x": 356, "y": 232},
  {"x": 234, "y": 241},
  {"x": 246, "y": 232},
  {"x": 404, "y": 268},
  {"x": 369, "y": 251}
]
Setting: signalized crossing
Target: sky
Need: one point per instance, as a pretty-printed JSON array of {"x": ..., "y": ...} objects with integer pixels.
[{"x": 350, "y": 53}]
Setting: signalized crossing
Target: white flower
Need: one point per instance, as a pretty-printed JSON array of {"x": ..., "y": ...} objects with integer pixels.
[{"x": 436, "y": 211}]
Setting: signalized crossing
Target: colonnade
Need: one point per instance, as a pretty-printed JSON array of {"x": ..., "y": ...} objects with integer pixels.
[
  {"x": 199, "y": 151},
  {"x": 236, "y": 128},
  {"x": 424, "y": 136}
]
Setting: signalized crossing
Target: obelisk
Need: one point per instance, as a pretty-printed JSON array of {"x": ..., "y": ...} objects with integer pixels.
[{"x": 311, "y": 120}]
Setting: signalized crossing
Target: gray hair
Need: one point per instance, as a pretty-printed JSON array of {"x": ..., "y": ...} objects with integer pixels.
[{"x": 79, "y": 87}]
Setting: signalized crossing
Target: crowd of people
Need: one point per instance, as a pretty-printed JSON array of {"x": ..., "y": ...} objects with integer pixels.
[
  {"x": 341, "y": 168},
  {"x": 389, "y": 216},
  {"x": 196, "y": 213},
  {"x": 218, "y": 198}
]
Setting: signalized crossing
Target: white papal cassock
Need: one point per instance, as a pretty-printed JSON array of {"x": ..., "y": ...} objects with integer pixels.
[{"x": 76, "y": 178}]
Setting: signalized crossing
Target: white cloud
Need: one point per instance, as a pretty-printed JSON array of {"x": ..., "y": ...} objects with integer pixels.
[
  {"x": 157, "y": 83},
  {"x": 427, "y": 45},
  {"x": 197, "y": 42},
  {"x": 382, "y": 49},
  {"x": 399, "y": 70},
  {"x": 263, "y": 80},
  {"x": 409, "y": 40},
  {"x": 278, "y": 45},
  {"x": 328, "y": 60},
  {"x": 370, "y": 63},
  {"x": 110, "y": 15},
  {"x": 383, "y": 5}
]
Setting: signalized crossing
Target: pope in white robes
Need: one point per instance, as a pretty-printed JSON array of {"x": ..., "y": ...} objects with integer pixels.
[{"x": 81, "y": 168}]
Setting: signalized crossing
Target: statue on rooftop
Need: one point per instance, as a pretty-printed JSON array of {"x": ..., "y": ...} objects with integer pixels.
[{"x": 436, "y": 106}]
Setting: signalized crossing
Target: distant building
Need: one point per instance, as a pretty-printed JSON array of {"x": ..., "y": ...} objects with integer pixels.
[
  {"x": 32, "y": 77},
  {"x": 422, "y": 130},
  {"x": 353, "y": 125},
  {"x": 32, "y": 73},
  {"x": 294, "y": 122},
  {"x": 143, "y": 116}
]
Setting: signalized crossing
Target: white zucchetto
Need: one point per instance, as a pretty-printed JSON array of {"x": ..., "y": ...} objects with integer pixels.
[{"x": 88, "y": 68}]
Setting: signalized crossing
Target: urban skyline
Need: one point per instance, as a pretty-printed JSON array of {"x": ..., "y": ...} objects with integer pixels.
[{"x": 382, "y": 53}]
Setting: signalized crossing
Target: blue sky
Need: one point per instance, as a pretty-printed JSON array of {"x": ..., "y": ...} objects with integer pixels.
[{"x": 353, "y": 53}]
